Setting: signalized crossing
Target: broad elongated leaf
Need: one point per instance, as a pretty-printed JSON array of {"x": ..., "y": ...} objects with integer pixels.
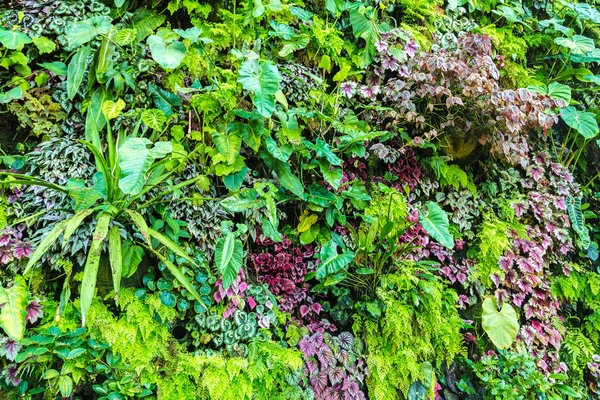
[
  {"x": 14, "y": 309},
  {"x": 136, "y": 160},
  {"x": 56, "y": 67},
  {"x": 262, "y": 79},
  {"x": 436, "y": 224},
  {"x": 582, "y": 121},
  {"x": 13, "y": 40},
  {"x": 146, "y": 21},
  {"x": 245, "y": 200},
  {"x": 73, "y": 223},
  {"x": 141, "y": 224},
  {"x": 577, "y": 221},
  {"x": 166, "y": 55},
  {"x": 80, "y": 33},
  {"x": 331, "y": 261},
  {"x": 229, "y": 254},
  {"x": 45, "y": 244},
  {"x": 115, "y": 257},
  {"x": 76, "y": 70},
  {"x": 169, "y": 244},
  {"x": 94, "y": 120},
  {"x": 90, "y": 271},
  {"x": 501, "y": 326}
]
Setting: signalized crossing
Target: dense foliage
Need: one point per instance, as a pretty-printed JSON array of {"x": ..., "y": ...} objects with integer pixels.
[{"x": 371, "y": 199}]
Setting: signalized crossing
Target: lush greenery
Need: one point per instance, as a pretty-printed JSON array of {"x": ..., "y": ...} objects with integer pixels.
[{"x": 370, "y": 199}]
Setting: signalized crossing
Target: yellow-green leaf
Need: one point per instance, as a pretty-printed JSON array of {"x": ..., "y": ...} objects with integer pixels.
[{"x": 112, "y": 109}]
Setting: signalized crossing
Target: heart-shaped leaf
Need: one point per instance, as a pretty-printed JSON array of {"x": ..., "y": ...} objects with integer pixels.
[
  {"x": 154, "y": 118},
  {"x": 555, "y": 90},
  {"x": 262, "y": 79},
  {"x": 436, "y": 224},
  {"x": 13, "y": 40},
  {"x": 13, "y": 94},
  {"x": 577, "y": 43},
  {"x": 229, "y": 253},
  {"x": 501, "y": 326},
  {"x": 82, "y": 32},
  {"x": 169, "y": 55},
  {"x": 583, "y": 122},
  {"x": 112, "y": 109}
]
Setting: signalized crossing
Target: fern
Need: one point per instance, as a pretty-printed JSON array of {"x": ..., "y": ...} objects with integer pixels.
[
  {"x": 493, "y": 242},
  {"x": 451, "y": 175}
]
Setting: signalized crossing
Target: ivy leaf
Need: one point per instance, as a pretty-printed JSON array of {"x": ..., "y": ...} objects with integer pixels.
[
  {"x": 14, "y": 310},
  {"x": 331, "y": 261},
  {"x": 583, "y": 122},
  {"x": 555, "y": 90},
  {"x": 82, "y": 32},
  {"x": 13, "y": 40},
  {"x": 501, "y": 326},
  {"x": 136, "y": 160},
  {"x": 76, "y": 70},
  {"x": 262, "y": 79},
  {"x": 168, "y": 56},
  {"x": 578, "y": 44},
  {"x": 228, "y": 257},
  {"x": 154, "y": 118},
  {"x": 436, "y": 224}
]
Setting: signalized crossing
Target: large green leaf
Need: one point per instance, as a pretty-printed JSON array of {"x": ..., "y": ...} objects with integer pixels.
[
  {"x": 228, "y": 144},
  {"x": 73, "y": 223},
  {"x": 154, "y": 118},
  {"x": 331, "y": 261},
  {"x": 14, "y": 302},
  {"x": 45, "y": 244},
  {"x": 298, "y": 42},
  {"x": 86, "y": 197},
  {"x": 436, "y": 224},
  {"x": 582, "y": 121},
  {"x": 136, "y": 159},
  {"x": 76, "y": 70},
  {"x": 94, "y": 120},
  {"x": 13, "y": 40},
  {"x": 81, "y": 32},
  {"x": 56, "y": 67},
  {"x": 555, "y": 90},
  {"x": 90, "y": 271},
  {"x": 501, "y": 326},
  {"x": 578, "y": 44},
  {"x": 229, "y": 254},
  {"x": 577, "y": 221},
  {"x": 13, "y": 94},
  {"x": 164, "y": 100},
  {"x": 167, "y": 55},
  {"x": 145, "y": 22},
  {"x": 246, "y": 199},
  {"x": 262, "y": 79}
]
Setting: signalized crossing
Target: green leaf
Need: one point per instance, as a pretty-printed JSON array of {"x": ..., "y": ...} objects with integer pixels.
[
  {"x": 262, "y": 79},
  {"x": 13, "y": 40},
  {"x": 583, "y": 122},
  {"x": 436, "y": 224},
  {"x": 234, "y": 181},
  {"x": 86, "y": 197},
  {"x": 141, "y": 224},
  {"x": 281, "y": 30},
  {"x": 297, "y": 43},
  {"x": 333, "y": 176},
  {"x": 577, "y": 221},
  {"x": 136, "y": 160},
  {"x": 229, "y": 253},
  {"x": 65, "y": 385},
  {"x": 14, "y": 309},
  {"x": 501, "y": 326},
  {"x": 229, "y": 145},
  {"x": 95, "y": 121},
  {"x": 154, "y": 118},
  {"x": 168, "y": 56},
  {"x": 115, "y": 256},
  {"x": 282, "y": 153},
  {"x": 164, "y": 100},
  {"x": 73, "y": 223},
  {"x": 145, "y": 22},
  {"x": 323, "y": 150},
  {"x": 169, "y": 244},
  {"x": 132, "y": 257},
  {"x": 119, "y": 3},
  {"x": 112, "y": 109},
  {"x": 90, "y": 271},
  {"x": 578, "y": 44},
  {"x": 568, "y": 390},
  {"x": 81, "y": 32},
  {"x": 56, "y": 67},
  {"x": 13, "y": 94},
  {"x": 76, "y": 70},
  {"x": 554, "y": 90},
  {"x": 246, "y": 199},
  {"x": 331, "y": 261},
  {"x": 45, "y": 244},
  {"x": 44, "y": 44},
  {"x": 125, "y": 37}
]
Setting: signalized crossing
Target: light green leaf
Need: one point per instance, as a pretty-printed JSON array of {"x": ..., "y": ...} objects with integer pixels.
[
  {"x": 13, "y": 94},
  {"x": 73, "y": 223},
  {"x": 228, "y": 144},
  {"x": 282, "y": 153},
  {"x": 154, "y": 118},
  {"x": 86, "y": 197},
  {"x": 125, "y": 37},
  {"x": 44, "y": 44},
  {"x": 90, "y": 271},
  {"x": 132, "y": 257},
  {"x": 245, "y": 200},
  {"x": 436, "y": 224},
  {"x": 583, "y": 122},
  {"x": 13, "y": 40},
  {"x": 14, "y": 310},
  {"x": 331, "y": 261},
  {"x": 112, "y": 109},
  {"x": 145, "y": 22},
  {"x": 578, "y": 44},
  {"x": 229, "y": 254},
  {"x": 168, "y": 56},
  {"x": 555, "y": 90},
  {"x": 262, "y": 79},
  {"x": 115, "y": 256},
  {"x": 45, "y": 244},
  {"x": 65, "y": 385},
  {"x": 164, "y": 100},
  {"x": 119, "y": 3},
  {"x": 297, "y": 43},
  {"x": 81, "y": 32},
  {"x": 56, "y": 67},
  {"x": 501, "y": 326},
  {"x": 136, "y": 160},
  {"x": 141, "y": 224},
  {"x": 76, "y": 70}
]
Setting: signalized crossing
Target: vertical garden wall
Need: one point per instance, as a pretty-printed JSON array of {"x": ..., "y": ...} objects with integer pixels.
[{"x": 278, "y": 199}]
